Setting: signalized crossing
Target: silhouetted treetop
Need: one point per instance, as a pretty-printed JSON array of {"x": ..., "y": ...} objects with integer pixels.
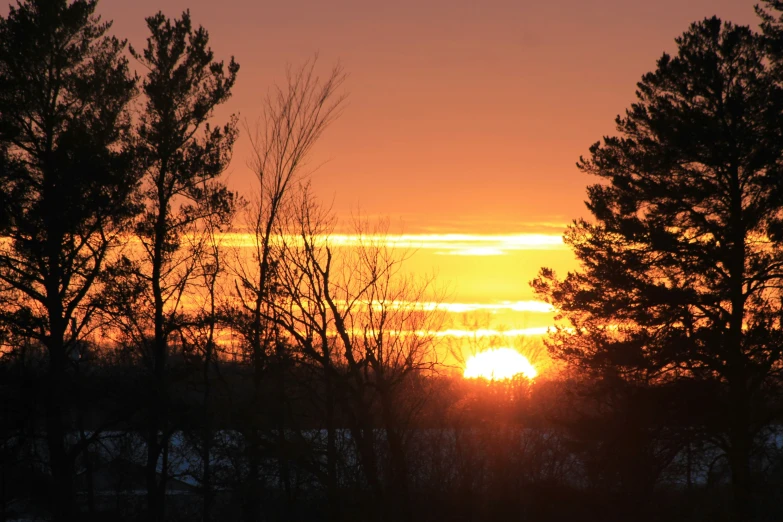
[
  {"x": 692, "y": 181},
  {"x": 682, "y": 265},
  {"x": 64, "y": 90},
  {"x": 709, "y": 111},
  {"x": 183, "y": 86}
]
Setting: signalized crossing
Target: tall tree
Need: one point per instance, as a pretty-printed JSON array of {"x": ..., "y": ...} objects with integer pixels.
[
  {"x": 66, "y": 181},
  {"x": 295, "y": 116},
  {"x": 682, "y": 264},
  {"x": 184, "y": 158}
]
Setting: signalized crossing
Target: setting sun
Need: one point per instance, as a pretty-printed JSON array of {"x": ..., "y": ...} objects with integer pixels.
[
  {"x": 412, "y": 261},
  {"x": 499, "y": 364}
]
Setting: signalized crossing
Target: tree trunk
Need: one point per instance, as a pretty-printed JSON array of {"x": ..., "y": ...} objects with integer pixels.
[
  {"x": 59, "y": 459},
  {"x": 87, "y": 470},
  {"x": 400, "y": 507},
  {"x": 63, "y": 508},
  {"x": 251, "y": 487},
  {"x": 739, "y": 438},
  {"x": 364, "y": 440},
  {"x": 158, "y": 409},
  {"x": 154, "y": 502},
  {"x": 332, "y": 486},
  {"x": 741, "y": 443},
  {"x": 282, "y": 443},
  {"x": 207, "y": 436}
]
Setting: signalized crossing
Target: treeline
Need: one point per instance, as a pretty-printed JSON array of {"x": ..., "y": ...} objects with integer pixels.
[
  {"x": 172, "y": 350},
  {"x": 130, "y": 276}
]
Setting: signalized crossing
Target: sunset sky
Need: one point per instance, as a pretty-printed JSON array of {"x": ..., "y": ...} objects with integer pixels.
[
  {"x": 324, "y": 260},
  {"x": 464, "y": 118}
]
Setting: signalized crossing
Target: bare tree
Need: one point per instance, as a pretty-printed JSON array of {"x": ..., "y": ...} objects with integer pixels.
[
  {"x": 295, "y": 116},
  {"x": 200, "y": 339},
  {"x": 352, "y": 311}
]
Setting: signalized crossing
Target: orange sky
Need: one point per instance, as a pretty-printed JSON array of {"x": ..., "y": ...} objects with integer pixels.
[{"x": 463, "y": 117}]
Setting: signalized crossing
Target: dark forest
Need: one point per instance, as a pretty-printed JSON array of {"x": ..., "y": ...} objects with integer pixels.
[{"x": 152, "y": 369}]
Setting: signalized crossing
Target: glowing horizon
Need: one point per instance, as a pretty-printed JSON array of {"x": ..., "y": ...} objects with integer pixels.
[
  {"x": 531, "y": 306},
  {"x": 485, "y": 295},
  {"x": 499, "y": 364},
  {"x": 450, "y": 243}
]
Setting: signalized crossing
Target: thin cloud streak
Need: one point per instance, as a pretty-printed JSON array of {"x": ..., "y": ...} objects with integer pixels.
[
  {"x": 445, "y": 244},
  {"x": 513, "y": 306}
]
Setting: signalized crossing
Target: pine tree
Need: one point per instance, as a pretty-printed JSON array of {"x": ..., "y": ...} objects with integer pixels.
[
  {"x": 67, "y": 182},
  {"x": 682, "y": 264},
  {"x": 184, "y": 158}
]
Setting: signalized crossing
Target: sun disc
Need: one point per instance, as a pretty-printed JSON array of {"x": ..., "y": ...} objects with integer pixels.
[{"x": 499, "y": 364}]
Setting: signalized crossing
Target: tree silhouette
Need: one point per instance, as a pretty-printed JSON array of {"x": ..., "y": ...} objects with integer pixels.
[
  {"x": 681, "y": 267},
  {"x": 295, "y": 115},
  {"x": 183, "y": 158},
  {"x": 66, "y": 180},
  {"x": 364, "y": 324}
]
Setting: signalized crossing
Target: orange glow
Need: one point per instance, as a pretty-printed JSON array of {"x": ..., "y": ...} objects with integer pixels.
[
  {"x": 499, "y": 364},
  {"x": 443, "y": 244}
]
